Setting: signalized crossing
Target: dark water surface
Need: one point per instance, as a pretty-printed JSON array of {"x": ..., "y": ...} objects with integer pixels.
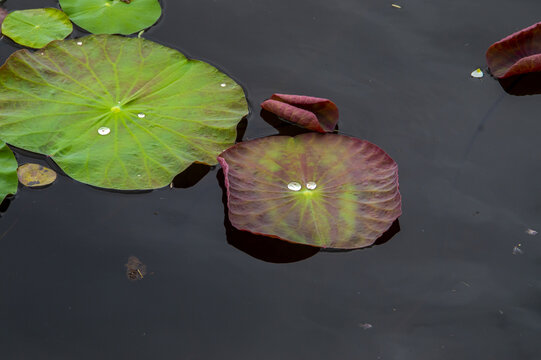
[{"x": 446, "y": 286}]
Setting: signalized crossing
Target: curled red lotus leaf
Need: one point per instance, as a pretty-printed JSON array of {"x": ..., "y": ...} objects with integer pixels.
[
  {"x": 316, "y": 114},
  {"x": 518, "y": 53},
  {"x": 323, "y": 190}
]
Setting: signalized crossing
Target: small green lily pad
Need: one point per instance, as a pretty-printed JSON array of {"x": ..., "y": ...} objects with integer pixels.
[
  {"x": 8, "y": 172},
  {"x": 35, "y": 175},
  {"x": 112, "y": 16},
  {"x": 36, "y": 28},
  {"x": 117, "y": 112}
]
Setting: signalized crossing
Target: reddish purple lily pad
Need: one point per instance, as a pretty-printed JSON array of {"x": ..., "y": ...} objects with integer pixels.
[
  {"x": 316, "y": 114},
  {"x": 324, "y": 190},
  {"x": 518, "y": 53}
]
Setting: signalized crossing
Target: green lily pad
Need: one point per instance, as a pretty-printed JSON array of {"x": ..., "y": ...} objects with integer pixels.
[
  {"x": 117, "y": 112},
  {"x": 321, "y": 190},
  {"x": 8, "y": 172},
  {"x": 36, "y": 28},
  {"x": 35, "y": 175},
  {"x": 112, "y": 16}
]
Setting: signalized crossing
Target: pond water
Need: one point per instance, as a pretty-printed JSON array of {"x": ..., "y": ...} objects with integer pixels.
[{"x": 93, "y": 274}]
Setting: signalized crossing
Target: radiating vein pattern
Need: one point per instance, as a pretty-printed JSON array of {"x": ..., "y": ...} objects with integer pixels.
[
  {"x": 349, "y": 189},
  {"x": 161, "y": 110}
]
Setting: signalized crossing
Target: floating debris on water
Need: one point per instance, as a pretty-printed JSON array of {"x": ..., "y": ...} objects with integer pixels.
[
  {"x": 365, "y": 326},
  {"x": 35, "y": 175},
  {"x": 531, "y": 232},
  {"x": 294, "y": 186},
  {"x": 517, "y": 250},
  {"x": 104, "y": 130},
  {"x": 477, "y": 73},
  {"x": 396, "y": 6},
  {"x": 135, "y": 269}
]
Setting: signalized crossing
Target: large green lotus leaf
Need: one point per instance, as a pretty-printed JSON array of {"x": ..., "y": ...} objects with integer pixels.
[
  {"x": 8, "y": 172},
  {"x": 36, "y": 28},
  {"x": 321, "y": 190},
  {"x": 116, "y": 112},
  {"x": 112, "y": 16}
]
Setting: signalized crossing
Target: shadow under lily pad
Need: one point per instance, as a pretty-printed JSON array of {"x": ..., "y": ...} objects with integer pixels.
[
  {"x": 191, "y": 176},
  {"x": 520, "y": 85}
]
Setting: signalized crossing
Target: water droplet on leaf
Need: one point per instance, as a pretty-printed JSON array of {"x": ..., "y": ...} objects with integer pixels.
[
  {"x": 104, "y": 130},
  {"x": 311, "y": 185},
  {"x": 141, "y": 115},
  {"x": 223, "y": 85},
  {"x": 79, "y": 43},
  {"x": 294, "y": 186}
]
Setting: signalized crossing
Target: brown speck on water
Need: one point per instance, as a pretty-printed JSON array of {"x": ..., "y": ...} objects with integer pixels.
[{"x": 135, "y": 269}]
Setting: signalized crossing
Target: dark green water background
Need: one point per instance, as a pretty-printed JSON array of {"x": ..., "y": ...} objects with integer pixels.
[{"x": 447, "y": 286}]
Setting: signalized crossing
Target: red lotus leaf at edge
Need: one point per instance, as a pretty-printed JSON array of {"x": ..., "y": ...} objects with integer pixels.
[
  {"x": 316, "y": 114},
  {"x": 518, "y": 53}
]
